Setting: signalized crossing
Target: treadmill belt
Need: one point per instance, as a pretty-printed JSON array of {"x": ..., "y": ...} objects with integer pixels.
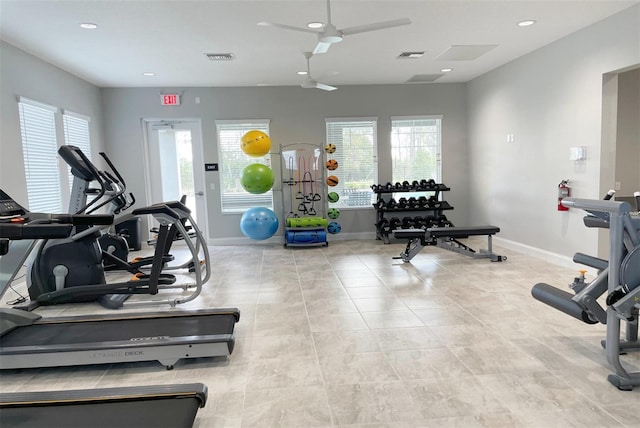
[{"x": 118, "y": 330}]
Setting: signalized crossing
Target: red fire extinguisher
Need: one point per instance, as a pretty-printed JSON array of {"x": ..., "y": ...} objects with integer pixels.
[{"x": 564, "y": 191}]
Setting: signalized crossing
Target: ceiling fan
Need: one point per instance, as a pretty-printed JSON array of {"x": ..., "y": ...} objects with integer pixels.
[
  {"x": 310, "y": 83},
  {"x": 329, "y": 34}
]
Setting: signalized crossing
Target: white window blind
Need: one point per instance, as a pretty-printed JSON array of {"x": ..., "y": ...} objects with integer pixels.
[
  {"x": 76, "y": 133},
  {"x": 39, "y": 148},
  {"x": 233, "y": 197},
  {"x": 416, "y": 148},
  {"x": 356, "y": 153}
]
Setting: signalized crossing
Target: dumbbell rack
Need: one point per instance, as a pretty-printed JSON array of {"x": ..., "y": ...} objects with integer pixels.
[{"x": 424, "y": 198}]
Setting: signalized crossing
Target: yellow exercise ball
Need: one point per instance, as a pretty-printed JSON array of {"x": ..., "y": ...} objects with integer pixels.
[{"x": 256, "y": 143}]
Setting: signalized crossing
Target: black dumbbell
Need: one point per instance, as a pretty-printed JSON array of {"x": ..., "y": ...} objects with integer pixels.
[
  {"x": 415, "y": 184},
  {"x": 423, "y": 202},
  {"x": 407, "y": 222},
  {"x": 388, "y": 186},
  {"x": 392, "y": 204},
  {"x": 418, "y": 222},
  {"x": 403, "y": 203},
  {"x": 442, "y": 221},
  {"x": 406, "y": 185},
  {"x": 413, "y": 202},
  {"x": 394, "y": 223}
]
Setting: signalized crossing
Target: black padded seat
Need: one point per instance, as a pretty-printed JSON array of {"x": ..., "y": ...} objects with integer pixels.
[
  {"x": 409, "y": 233},
  {"x": 462, "y": 232}
]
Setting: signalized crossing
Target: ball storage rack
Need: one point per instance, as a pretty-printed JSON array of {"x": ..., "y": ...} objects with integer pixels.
[{"x": 304, "y": 202}]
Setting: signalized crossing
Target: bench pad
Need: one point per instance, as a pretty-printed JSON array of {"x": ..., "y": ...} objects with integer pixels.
[
  {"x": 409, "y": 233},
  {"x": 462, "y": 232}
]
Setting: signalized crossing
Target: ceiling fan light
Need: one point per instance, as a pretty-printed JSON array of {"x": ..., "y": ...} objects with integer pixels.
[
  {"x": 315, "y": 24},
  {"x": 302, "y": 73},
  {"x": 330, "y": 38}
]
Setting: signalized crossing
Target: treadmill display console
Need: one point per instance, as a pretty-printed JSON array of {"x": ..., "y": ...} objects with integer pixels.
[{"x": 9, "y": 208}]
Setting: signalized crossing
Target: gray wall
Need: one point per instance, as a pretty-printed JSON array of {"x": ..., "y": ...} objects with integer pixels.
[
  {"x": 628, "y": 133},
  {"x": 296, "y": 115},
  {"x": 550, "y": 100},
  {"x": 24, "y": 75}
]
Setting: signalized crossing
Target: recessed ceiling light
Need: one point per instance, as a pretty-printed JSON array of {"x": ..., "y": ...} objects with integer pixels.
[
  {"x": 302, "y": 73},
  {"x": 315, "y": 25},
  {"x": 526, "y": 23},
  {"x": 148, "y": 73},
  {"x": 88, "y": 26},
  {"x": 446, "y": 70}
]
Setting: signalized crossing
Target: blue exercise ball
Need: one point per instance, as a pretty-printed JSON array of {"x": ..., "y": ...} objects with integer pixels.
[
  {"x": 259, "y": 223},
  {"x": 334, "y": 227}
]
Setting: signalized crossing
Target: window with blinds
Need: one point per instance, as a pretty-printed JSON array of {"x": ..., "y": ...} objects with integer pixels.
[
  {"x": 356, "y": 153},
  {"x": 233, "y": 197},
  {"x": 76, "y": 133},
  {"x": 416, "y": 148},
  {"x": 39, "y": 149}
]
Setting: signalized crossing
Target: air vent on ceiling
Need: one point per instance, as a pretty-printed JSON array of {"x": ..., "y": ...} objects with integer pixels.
[
  {"x": 410, "y": 55},
  {"x": 220, "y": 56},
  {"x": 424, "y": 78}
]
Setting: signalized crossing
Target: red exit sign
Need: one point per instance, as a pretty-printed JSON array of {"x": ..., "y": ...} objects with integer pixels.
[{"x": 170, "y": 99}]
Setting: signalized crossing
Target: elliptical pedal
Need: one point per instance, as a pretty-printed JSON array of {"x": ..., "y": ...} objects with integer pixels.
[{"x": 113, "y": 301}]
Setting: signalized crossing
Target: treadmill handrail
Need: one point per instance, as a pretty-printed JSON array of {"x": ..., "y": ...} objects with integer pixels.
[{"x": 134, "y": 393}]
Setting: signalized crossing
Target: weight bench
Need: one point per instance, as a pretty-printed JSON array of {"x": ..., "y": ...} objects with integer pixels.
[{"x": 447, "y": 238}]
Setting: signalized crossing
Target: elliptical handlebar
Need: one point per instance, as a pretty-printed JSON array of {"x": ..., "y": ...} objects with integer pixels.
[
  {"x": 83, "y": 168},
  {"x": 597, "y": 205}
]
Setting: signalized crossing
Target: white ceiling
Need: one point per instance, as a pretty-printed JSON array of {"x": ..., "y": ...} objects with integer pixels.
[{"x": 170, "y": 38}]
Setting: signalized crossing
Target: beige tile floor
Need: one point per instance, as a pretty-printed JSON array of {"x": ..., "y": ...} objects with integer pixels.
[{"x": 347, "y": 336}]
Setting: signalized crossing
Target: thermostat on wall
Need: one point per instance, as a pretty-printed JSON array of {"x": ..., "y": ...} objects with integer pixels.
[{"x": 578, "y": 153}]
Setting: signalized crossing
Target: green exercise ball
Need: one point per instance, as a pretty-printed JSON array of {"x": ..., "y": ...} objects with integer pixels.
[{"x": 257, "y": 178}]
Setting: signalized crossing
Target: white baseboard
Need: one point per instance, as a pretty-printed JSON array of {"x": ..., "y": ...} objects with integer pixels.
[
  {"x": 244, "y": 241},
  {"x": 279, "y": 239},
  {"x": 548, "y": 256},
  {"x": 362, "y": 236}
]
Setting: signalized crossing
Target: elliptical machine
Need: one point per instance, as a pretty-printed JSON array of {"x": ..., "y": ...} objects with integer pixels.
[{"x": 71, "y": 270}]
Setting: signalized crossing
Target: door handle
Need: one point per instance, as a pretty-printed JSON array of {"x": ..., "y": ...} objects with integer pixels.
[{"x": 200, "y": 193}]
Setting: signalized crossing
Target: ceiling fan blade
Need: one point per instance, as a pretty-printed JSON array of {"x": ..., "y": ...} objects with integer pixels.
[
  {"x": 321, "y": 47},
  {"x": 376, "y": 26},
  {"x": 287, "y": 27},
  {"x": 325, "y": 87}
]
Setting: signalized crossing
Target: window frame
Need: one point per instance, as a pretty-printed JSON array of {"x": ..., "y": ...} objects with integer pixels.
[
  {"x": 241, "y": 160},
  {"x": 39, "y": 142},
  {"x": 59, "y": 134},
  {"x": 438, "y": 154},
  {"x": 360, "y": 200}
]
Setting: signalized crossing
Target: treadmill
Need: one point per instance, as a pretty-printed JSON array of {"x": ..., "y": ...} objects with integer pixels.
[
  {"x": 170, "y": 406},
  {"x": 27, "y": 340}
]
